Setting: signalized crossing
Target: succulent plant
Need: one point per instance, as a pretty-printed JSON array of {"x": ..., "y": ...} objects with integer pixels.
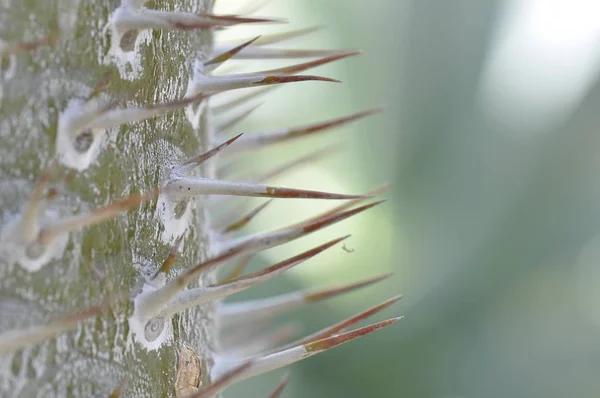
[{"x": 117, "y": 223}]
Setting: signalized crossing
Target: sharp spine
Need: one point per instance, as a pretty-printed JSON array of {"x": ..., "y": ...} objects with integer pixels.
[{"x": 261, "y": 309}]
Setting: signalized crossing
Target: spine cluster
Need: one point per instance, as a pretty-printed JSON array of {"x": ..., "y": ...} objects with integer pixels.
[{"x": 113, "y": 254}]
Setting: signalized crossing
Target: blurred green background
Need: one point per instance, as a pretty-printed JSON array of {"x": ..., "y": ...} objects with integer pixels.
[{"x": 490, "y": 142}]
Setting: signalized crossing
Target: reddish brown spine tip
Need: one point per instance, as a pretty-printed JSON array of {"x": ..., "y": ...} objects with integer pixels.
[
  {"x": 290, "y": 79},
  {"x": 312, "y": 64},
  {"x": 281, "y": 386},
  {"x": 365, "y": 314},
  {"x": 345, "y": 324},
  {"x": 246, "y": 219},
  {"x": 212, "y": 152},
  {"x": 338, "y": 209},
  {"x": 80, "y": 316},
  {"x": 293, "y": 260},
  {"x": 185, "y": 278},
  {"x": 279, "y": 37},
  {"x": 236, "y": 19},
  {"x": 232, "y": 140},
  {"x": 118, "y": 391},
  {"x": 335, "y": 122},
  {"x": 334, "y": 341},
  {"x": 238, "y": 270},
  {"x": 333, "y": 218},
  {"x": 168, "y": 263},
  {"x": 335, "y": 291},
  {"x": 32, "y": 45},
  {"x": 227, "y": 55},
  {"x": 277, "y": 192}
]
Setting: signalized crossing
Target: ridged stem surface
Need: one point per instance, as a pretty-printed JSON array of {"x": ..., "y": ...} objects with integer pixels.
[{"x": 102, "y": 261}]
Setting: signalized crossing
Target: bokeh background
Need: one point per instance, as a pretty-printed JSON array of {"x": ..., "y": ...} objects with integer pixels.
[{"x": 490, "y": 142}]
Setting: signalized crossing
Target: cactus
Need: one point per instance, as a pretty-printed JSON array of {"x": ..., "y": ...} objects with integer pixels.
[{"x": 112, "y": 252}]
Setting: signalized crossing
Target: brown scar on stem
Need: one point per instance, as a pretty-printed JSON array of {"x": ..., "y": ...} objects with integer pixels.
[{"x": 189, "y": 372}]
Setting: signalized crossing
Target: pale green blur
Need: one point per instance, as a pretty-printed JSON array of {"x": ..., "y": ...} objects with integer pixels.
[{"x": 490, "y": 226}]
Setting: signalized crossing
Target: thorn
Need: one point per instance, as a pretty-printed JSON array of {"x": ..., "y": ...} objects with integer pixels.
[
  {"x": 271, "y": 174},
  {"x": 263, "y": 53},
  {"x": 336, "y": 291},
  {"x": 325, "y": 221},
  {"x": 15, "y": 48},
  {"x": 114, "y": 117},
  {"x": 289, "y": 79},
  {"x": 49, "y": 233},
  {"x": 257, "y": 140},
  {"x": 294, "y": 260},
  {"x": 237, "y": 101},
  {"x": 239, "y": 269},
  {"x": 211, "y": 84},
  {"x": 13, "y": 340},
  {"x": 198, "y": 160},
  {"x": 281, "y": 386},
  {"x": 266, "y": 240},
  {"x": 280, "y": 359},
  {"x": 29, "y": 224},
  {"x": 168, "y": 263},
  {"x": 348, "y": 205},
  {"x": 154, "y": 302},
  {"x": 263, "y": 343},
  {"x": 344, "y": 325},
  {"x": 279, "y": 37},
  {"x": 232, "y": 121},
  {"x": 79, "y": 125},
  {"x": 214, "y": 63},
  {"x": 194, "y": 186},
  {"x": 128, "y": 18},
  {"x": 99, "y": 87},
  {"x": 290, "y": 70},
  {"x": 222, "y": 382},
  {"x": 197, "y": 296},
  {"x": 118, "y": 391},
  {"x": 310, "y": 158},
  {"x": 246, "y": 219},
  {"x": 334, "y": 341},
  {"x": 260, "y": 309}
]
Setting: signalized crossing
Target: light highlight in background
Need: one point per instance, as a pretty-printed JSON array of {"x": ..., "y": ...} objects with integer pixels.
[
  {"x": 545, "y": 56},
  {"x": 373, "y": 235}
]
